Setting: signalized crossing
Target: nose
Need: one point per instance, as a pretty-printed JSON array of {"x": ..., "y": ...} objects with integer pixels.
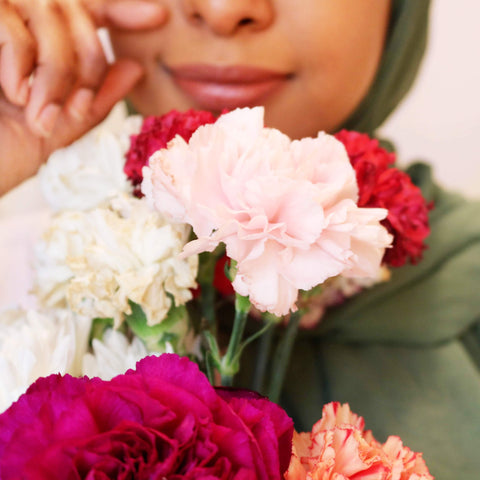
[{"x": 228, "y": 17}]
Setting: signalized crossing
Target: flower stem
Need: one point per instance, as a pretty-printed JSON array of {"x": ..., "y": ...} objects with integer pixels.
[
  {"x": 282, "y": 357},
  {"x": 230, "y": 363},
  {"x": 261, "y": 362},
  {"x": 208, "y": 307}
]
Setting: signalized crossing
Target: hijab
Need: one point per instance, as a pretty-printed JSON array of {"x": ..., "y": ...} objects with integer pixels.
[{"x": 404, "y": 49}]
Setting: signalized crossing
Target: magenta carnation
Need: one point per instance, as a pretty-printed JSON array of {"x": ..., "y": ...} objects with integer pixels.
[
  {"x": 162, "y": 420},
  {"x": 156, "y": 132}
]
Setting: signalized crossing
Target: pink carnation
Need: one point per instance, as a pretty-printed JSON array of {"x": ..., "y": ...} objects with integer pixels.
[
  {"x": 163, "y": 420},
  {"x": 338, "y": 448},
  {"x": 285, "y": 210}
]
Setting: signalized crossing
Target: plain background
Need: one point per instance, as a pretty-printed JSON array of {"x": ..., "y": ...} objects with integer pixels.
[{"x": 440, "y": 119}]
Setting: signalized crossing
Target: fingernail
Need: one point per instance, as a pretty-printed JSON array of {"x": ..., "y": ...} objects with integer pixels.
[
  {"x": 23, "y": 92},
  {"x": 80, "y": 103},
  {"x": 47, "y": 119}
]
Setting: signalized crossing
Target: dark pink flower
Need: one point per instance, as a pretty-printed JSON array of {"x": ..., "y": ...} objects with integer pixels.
[
  {"x": 163, "y": 420},
  {"x": 407, "y": 216},
  {"x": 156, "y": 132},
  {"x": 381, "y": 185}
]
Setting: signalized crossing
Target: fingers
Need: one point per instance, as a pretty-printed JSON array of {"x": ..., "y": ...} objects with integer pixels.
[
  {"x": 91, "y": 62},
  {"x": 56, "y": 65},
  {"x": 120, "y": 78},
  {"x": 17, "y": 56},
  {"x": 52, "y": 63}
]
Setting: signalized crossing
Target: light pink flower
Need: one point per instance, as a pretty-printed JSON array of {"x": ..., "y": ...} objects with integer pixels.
[
  {"x": 338, "y": 448},
  {"x": 285, "y": 210}
]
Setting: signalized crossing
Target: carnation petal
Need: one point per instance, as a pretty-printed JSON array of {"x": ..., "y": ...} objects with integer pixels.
[{"x": 271, "y": 201}]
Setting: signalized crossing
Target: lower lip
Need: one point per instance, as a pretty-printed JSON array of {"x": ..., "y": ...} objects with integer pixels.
[{"x": 219, "y": 96}]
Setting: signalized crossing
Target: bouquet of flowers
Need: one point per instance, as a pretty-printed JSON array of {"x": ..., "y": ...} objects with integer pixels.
[{"x": 148, "y": 257}]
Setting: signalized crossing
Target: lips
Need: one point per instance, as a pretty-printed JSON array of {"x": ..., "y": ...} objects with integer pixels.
[{"x": 216, "y": 88}]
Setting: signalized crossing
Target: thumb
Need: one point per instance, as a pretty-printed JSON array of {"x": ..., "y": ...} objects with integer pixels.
[
  {"x": 127, "y": 14},
  {"x": 120, "y": 79}
]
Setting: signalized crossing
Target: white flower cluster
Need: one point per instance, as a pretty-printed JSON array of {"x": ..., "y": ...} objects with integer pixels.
[
  {"x": 94, "y": 261},
  {"x": 102, "y": 249},
  {"x": 90, "y": 171},
  {"x": 35, "y": 344}
]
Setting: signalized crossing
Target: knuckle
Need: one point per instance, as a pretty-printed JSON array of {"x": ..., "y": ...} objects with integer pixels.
[
  {"x": 92, "y": 64},
  {"x": 61, "y": 78},
  {"x": 26, "y": 44},
  {"x": 92, "y": 56}
]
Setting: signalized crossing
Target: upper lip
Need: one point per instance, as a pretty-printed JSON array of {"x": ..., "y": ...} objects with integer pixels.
[{"x": 225, "y": 74}]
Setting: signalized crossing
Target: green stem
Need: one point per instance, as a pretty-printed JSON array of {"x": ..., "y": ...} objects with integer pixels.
[
  {"x": 261, "y": 362},
  {"x": 208, "y": 306},
  {"x": 210, "y": 366},
  {"x": 230, "y": 363},
  {"x": 282, "y": 357}
]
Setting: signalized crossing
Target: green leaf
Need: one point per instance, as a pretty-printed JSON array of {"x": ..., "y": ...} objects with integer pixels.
[
  {"x": 170, "y": 329},
  {"x": 99, "y": 325}
]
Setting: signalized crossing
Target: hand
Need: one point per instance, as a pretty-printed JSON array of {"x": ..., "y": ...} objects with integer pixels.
[{"x": 55, "y": 83}]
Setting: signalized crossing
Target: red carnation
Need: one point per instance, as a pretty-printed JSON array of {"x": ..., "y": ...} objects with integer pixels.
[
  {"x": 220, "y": 280},
  {"x": 156, "y": 132},
  {"x": 381, "y": 185},
  {"x": 368, "y": 159},
  {"x": 407, "y": 216}
]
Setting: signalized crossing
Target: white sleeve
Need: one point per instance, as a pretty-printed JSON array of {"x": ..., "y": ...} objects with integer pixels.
[{"x": 24, "y": 215}]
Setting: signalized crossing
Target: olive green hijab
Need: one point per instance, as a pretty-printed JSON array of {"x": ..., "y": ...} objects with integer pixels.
[{"x": 405, "y": 46}]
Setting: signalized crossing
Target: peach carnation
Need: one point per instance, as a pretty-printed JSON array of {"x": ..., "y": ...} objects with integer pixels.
[
  {"x": 286, "y": 210},
  {"x": 338, "y": 448}
]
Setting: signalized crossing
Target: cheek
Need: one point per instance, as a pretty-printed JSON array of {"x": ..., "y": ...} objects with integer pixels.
[{"x": 338, "y": 59}]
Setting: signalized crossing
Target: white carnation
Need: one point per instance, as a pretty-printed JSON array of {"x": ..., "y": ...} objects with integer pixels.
[
  {"x": 36, "y": 344},
  {"x": 113, "y": 355},
  {"x": 90, "y": 170},
  {"x": 95, "y": 261}
]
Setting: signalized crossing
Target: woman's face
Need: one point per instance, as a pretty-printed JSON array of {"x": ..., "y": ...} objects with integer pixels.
[{"x": 310, "y": 63}]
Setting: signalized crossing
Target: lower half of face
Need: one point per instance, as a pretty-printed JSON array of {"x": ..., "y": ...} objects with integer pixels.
[{"x": 309, "y": 63}]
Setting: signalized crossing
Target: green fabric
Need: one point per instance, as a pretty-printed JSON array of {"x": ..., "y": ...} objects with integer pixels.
[
  {"x": 406, "y": 354},
  {"x": 404, "y": 49},
  {"x": 430, "y": 397}
]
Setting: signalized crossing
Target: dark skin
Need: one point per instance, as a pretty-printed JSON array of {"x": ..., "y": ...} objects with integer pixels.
[{"x": 55, "y": 83}]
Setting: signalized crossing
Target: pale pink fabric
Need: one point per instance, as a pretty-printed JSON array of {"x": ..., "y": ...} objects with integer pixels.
[{"x": 23, "y": 216}]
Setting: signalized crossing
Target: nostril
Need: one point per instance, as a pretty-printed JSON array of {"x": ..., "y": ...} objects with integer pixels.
[
  {"x": 245, "y": 21},
  {"x": 196, "y": 18}
]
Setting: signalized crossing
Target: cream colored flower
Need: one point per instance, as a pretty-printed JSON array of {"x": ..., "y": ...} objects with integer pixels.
[
  {"x": 113, "y": 355},
  {"x": 90, "y": 171},
  {"x": 95, "y": 261},
  {"x": 35, "y": 344}
]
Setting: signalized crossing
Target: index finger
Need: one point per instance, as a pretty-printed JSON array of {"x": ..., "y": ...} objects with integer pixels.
[{"x": 127, "y": 14}]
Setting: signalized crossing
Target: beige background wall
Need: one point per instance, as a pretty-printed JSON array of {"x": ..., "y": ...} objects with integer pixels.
[{"x": 440, "y": 120}]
